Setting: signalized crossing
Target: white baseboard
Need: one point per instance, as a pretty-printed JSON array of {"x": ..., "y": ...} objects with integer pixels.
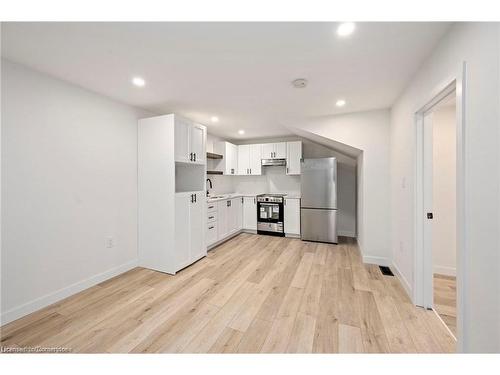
[
  {"x": 406, "y": 285},
  {"x": 442, "y": 270},
  {"x": 346, "y": 233},
  {"x": 379, "y": 261},
  {"x": 49, "y": 299}
]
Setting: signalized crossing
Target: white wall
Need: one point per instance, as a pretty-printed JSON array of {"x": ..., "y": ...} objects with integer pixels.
[
  {"x": 346, "y": 198},
  {"x": 369, "y": 132},
  {"x": 69, "y": 180},
  {"x": 476, "y": 44},
  {"x": 444, "y": 224}
]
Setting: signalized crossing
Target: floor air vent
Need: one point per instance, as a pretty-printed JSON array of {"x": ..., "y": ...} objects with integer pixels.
[{"x": 386, "y": 271}]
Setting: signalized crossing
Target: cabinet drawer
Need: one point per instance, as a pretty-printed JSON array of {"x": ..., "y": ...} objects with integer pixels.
[
  {"x": 211, "y": 206},
  {"x": 211, "y": 233},
  {"x": 211, "y": 216}
]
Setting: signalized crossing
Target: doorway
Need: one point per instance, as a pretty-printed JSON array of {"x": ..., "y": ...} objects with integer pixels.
[
  {"x": 439, "y": 199},
  {"x": 440, "y": 132}
]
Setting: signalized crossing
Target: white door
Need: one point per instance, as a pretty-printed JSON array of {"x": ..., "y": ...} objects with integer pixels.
[
  {"x": 293, "y": 157},
  {"x": 182, "y": 131},
  {"x": 292, "y": 216},
  {"x": 255, "y": 159},
  {"x": 182, "y": 229},
  {"x": 249, "y": 213},
  {"x": 198, "y": 147},
  {"x": 428, "y": 204},
  {"x": 197, "y": 226},
  {"x": 222, "y": 220},
  {"x": 243, "y": 159},
  {"x": 280, "y": 150},
  {"x": 268, "y": 151}
]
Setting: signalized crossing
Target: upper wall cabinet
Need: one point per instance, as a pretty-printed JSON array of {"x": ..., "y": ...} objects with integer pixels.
[
  {"x": 229, "y": 162},
  {"x": 249, "y": 159},
  {"x": 190, "y": 142},
  {"x": 293, "y": 157},
  {"x": 274, "y": 150}
]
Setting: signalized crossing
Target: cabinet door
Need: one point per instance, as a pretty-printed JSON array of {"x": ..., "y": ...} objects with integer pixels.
[
  {"x": 222, "y": 220},
  {"x": 198, "y": 143},
  {"x": 292, "y": 216},
  {"x": 268, "y": 151},
  {"x": 255, "y": 159},
  {"x": 280, "y": 150},
  {"x": 238, "y": 212},
  {"x": 233, "y": 150},
  {"x": 182, "y": 134},
  {"x": 182, "y": 230},
  {"x": 249, "y": 213},
  {"x": 243, "y": 159},
  {"x": 293, "y": 157},
  {"x": 197, "y": 215}
]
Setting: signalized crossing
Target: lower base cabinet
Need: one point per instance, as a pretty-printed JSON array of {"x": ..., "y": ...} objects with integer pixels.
[
  {"x": 292, "y": 216},
  {"x": 224, "y": 218},
  {"x": 250, "y": 213},
  {"x": 190, "y": 243}
]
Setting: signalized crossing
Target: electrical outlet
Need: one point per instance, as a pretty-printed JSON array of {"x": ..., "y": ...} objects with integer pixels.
[{"x": 110, "y": 242}]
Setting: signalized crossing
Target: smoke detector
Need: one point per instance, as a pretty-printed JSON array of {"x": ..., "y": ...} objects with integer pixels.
[{"x": 299, "y": 83}]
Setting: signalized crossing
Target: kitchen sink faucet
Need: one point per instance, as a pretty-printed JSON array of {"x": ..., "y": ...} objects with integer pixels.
[{"x": 209, "y": 181}]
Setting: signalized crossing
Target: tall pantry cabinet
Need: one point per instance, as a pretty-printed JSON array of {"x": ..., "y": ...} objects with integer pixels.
[{"x": 171, "y": 192}]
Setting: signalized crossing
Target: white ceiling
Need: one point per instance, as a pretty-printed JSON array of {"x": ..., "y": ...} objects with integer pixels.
[{"x": 240, "y": 72}]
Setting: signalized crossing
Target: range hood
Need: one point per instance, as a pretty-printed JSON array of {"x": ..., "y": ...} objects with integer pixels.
[{"x": 273, "y": 162}]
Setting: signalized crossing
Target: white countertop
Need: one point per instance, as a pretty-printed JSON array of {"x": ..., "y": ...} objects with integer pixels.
[{"x": 221, "y": 197}]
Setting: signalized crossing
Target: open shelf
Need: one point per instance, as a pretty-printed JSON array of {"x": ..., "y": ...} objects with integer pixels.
[{"x": 211, "y": 155}]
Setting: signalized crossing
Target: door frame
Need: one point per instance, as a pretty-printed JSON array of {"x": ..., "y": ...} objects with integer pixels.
[{"x": 422, "y": 282}]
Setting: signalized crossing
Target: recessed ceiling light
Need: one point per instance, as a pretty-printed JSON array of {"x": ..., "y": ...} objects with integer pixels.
[
  {"x": 346, "y": 28},
  {"x": 340, "y": 103},
  {"x": 241, "y": 132},
  {"x": 214, "y": 119},
  {"x": 138, "y": 81}
]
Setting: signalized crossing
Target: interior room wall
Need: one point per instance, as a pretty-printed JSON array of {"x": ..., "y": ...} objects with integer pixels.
[
  {"x": 444, "y": 224},
  {"x": 69, "y": 181},
  {"x": 367, "y": 131},
  {"x": 476, "y": 44}
]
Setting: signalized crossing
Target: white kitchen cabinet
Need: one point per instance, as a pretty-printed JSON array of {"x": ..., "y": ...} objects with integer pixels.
[
  {"x": 190, "y": 141},
  {"x": 212, "y": 235},
  {"x": 190, "y": 228},
  {"x": 236, "y": 214},
  {"x": 292, "y": 216},
  {"x": 222, "y": 219},
  {"x": 249, "y": 213},
  {"x": 171, "y": 227},
  {"x": 229, "y": 162},
  {"x": 274, "y": 150},
  {"x": 293, "y": 157},
  {"x": 250, "y": 159}
]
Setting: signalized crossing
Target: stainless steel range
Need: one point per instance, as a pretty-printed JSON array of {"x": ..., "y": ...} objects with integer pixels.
[{"x": 270, "y": 214}]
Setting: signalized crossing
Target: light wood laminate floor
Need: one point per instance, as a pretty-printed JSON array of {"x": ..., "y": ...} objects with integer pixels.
[
  {"x": 251, "y": 294},
  {"x": 445, "y": 300}
]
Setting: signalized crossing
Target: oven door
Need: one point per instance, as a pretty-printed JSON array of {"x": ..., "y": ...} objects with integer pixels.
[{"x": 270, "y": 212}]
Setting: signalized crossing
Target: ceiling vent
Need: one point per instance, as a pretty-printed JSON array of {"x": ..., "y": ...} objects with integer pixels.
[{"x": 299, "y": 83}]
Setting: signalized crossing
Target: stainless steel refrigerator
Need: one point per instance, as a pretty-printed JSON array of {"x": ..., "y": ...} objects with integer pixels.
[{"x": 318, "y": 206}]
